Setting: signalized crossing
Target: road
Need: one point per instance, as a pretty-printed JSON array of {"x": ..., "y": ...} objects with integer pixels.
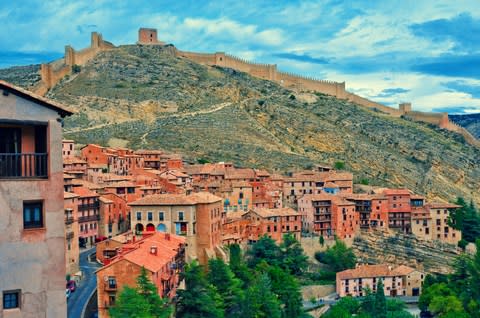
[
  {"x": 78, "y": 299},
  {"x": 330, "y": 300}
]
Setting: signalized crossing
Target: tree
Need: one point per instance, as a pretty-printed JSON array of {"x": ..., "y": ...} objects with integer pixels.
[
  {"x": 339, "y": 165},
  {"x": 199, "y": 299},
  {"x": 294, "y": 259},
  {"x": 260, "y": 301},
  {"x": 466, "y": 219},
  {"x": 265, "y": 249},
  {"x": 238, "y": 266},
  {"x": 321, "y": 240},
  {"x": 288, "y": 290},
  {"x": 344, "y": 308},
  {"x": 227, "y": 285},
  {"x": 339, "y": 257},
  {"x": 142, "y": 301},
  {"x": 380, "y": 307}
]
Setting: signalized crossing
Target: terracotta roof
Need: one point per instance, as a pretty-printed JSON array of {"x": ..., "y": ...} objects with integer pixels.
[
  {"x": 84, "y": 192},
  {"x": 141, "y": 252},
  {"x": 121, "y": 184},
  {"x": 265, "y": 213},
  {"x": 439, "y": 205},
  {"x": 177, "y": 199},
  {"x": 368, "y": 271},
  {"x": 72, "y": 160},
  {"x": 241, "y": 184},
  {"x": 69, "y": 195},
  {"x": 240, "y": 173},
  {"x": 59, "y": 108},
  {"x": 396, "y": 192}
]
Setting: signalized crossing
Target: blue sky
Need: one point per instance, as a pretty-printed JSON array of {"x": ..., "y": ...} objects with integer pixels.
[{"x": 426, "y": 52}]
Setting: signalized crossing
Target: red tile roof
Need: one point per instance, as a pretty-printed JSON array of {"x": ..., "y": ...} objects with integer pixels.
[
  {"x": 370, "y": 271},
  {"x": 177, "y": 199}
]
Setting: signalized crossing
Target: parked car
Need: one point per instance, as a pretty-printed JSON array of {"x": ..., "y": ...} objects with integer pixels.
[
  {"x": 71, "y": 285},
  {"x": 67, "y": 293}
]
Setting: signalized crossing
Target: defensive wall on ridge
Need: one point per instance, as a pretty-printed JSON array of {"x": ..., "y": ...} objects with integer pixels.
[{"x": 51, "y": 73}]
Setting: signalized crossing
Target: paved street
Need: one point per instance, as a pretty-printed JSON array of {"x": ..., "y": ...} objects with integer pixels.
[{"x": 87, "y": 285}]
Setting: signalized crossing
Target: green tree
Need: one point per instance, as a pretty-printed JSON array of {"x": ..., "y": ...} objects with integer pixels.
[
  {"x": 339, "y": 165},
  {"x": 142, "y": 301},
  {"x": 238, "y": 266},
  {"x": 380, "y": 307},
  {"x": 260, "y": 301},
  {"x": 199, "y": 299},
  {"x": 321, "y": 240},
  {"x": 265, "y": 249},
  {"x": 227, "y": 285},
  {"x": 466, "y": 219},
  {"x": 293, "y": 258},
  {"x": 288, "y": 290},
  {"x": 339, "y": 257},
  {"x": 344, "y": 308}
]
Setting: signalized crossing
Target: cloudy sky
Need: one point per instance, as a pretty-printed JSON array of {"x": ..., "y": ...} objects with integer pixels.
[{"x": 423, "y": 51}]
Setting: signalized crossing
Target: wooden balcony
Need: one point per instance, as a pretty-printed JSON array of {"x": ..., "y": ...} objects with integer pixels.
[
  {"x": 23, "y": 165},
  {"x": 88, "y": 218}
]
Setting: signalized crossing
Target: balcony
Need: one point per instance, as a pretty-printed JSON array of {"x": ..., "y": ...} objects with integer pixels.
[
  {"x": 87, "y": 218},
  {"x": 68, "y": 220},
  {"x": 23, "y": 165},
  {"x": 69, "y": 235},
  {"x": 91, "y": 206}
]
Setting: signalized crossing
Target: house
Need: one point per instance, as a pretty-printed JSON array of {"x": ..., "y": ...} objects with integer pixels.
[
  {"x": 196, "y": 216},
  {"x": 329, "y": 215},
  {"x": 88, "y": 215},
  {"x": 432, "y": 223},
  {"x": 32, "y": 230},
  {"x": 398, "y": 281},
  {"x": 72, "y": 251},
  {"x": 161, "y": 254}
]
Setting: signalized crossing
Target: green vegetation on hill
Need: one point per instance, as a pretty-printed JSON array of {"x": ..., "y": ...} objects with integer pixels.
[
  {"x": 150, "y": 99},
  {"x": 24, "y": 76}
]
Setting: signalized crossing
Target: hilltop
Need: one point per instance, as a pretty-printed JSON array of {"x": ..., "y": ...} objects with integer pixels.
[
  {"x": 146, "y": 97},
  {"x": 470, "y": 122}
]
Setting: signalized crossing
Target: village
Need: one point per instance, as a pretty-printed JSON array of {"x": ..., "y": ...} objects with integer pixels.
[{"x": 148, "y": 208}]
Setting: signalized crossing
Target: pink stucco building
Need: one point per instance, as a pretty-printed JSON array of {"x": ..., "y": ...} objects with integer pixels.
[{"x": 32, "y": 226}]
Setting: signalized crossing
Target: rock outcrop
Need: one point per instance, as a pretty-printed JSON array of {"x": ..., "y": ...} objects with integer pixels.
[{"x": 377, "y": 247}]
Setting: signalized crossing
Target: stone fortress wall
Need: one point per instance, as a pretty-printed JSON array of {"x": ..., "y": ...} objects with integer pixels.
[{"x": 51, "y": 73}]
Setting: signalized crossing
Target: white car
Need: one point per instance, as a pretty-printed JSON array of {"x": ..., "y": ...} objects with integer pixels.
[{"x": 67, "y": 293}]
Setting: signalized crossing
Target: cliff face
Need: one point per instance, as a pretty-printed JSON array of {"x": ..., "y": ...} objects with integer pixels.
[
  {"x": 147, "y": 97},
  {"x": 399, "y": 249}
]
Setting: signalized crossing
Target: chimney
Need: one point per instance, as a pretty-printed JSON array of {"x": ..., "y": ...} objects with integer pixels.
[
  {"x": 167, "y": 236},
  {"x": 153, "y": 250}
]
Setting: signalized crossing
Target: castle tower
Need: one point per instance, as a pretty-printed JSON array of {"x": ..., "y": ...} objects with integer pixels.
[
  {"x": 69, "y": 55},
  {"x": 95, "y": 40},
  {"x": 405, "y": 107},
  {"x": 148, "y": 36}
]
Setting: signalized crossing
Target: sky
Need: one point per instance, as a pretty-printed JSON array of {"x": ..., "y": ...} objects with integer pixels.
[{"x": 425, "y": 52}]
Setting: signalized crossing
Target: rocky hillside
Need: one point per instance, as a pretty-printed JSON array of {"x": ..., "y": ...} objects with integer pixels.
[
  {"x": 143, "y": 97},
  {"x": 25, "y": 76},
  {"x": 399, "y": 249},
  {"x": 470, "y": 122}
]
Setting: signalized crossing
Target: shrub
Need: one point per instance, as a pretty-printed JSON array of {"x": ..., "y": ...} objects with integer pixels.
[
  {"x": 76, "y": 68},
  {"x": 339, "y": 165}
]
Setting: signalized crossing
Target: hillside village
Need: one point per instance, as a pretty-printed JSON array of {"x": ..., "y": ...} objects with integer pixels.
[{"x": 152, "y": 213}]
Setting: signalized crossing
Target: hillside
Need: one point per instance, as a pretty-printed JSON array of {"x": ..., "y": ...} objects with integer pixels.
[
  {"x": 143, "y": 97},
  {"x": 470, "y": 122}
]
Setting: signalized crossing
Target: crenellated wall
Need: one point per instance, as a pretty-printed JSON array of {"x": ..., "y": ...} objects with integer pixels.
[{"x": 51, "y": 73}]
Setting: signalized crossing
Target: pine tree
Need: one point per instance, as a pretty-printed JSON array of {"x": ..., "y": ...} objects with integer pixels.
[
  {"x": 380, "y": 308},
  {"x": 286, "y": 287},
  {"x": 238, "y": 266},
  {"x": 227, "y": 285},
  {"x": 199, "y": 299},
  {"x": 260, "y": 301},
  {"x": 294, "y": 259}
]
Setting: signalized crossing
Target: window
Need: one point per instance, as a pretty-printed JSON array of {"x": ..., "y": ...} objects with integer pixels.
[
  {"x": 180, "y": 216},
  {"x": 130, "y": 190},
  {"x": 32, "y": 215},
  {"x": 150, "y": 216},
  {"x": 139, "y": 216},
  {"x": 11, "y": 299},
  {"x": 161, "y": 216},
  {"x": 111, "y": 300},
  {"x": 112, "y": 282}
]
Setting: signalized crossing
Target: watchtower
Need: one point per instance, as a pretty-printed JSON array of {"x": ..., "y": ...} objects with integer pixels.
[
  {"x": 405, "y": 107},
  {"x": 147, "y": 36}
]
